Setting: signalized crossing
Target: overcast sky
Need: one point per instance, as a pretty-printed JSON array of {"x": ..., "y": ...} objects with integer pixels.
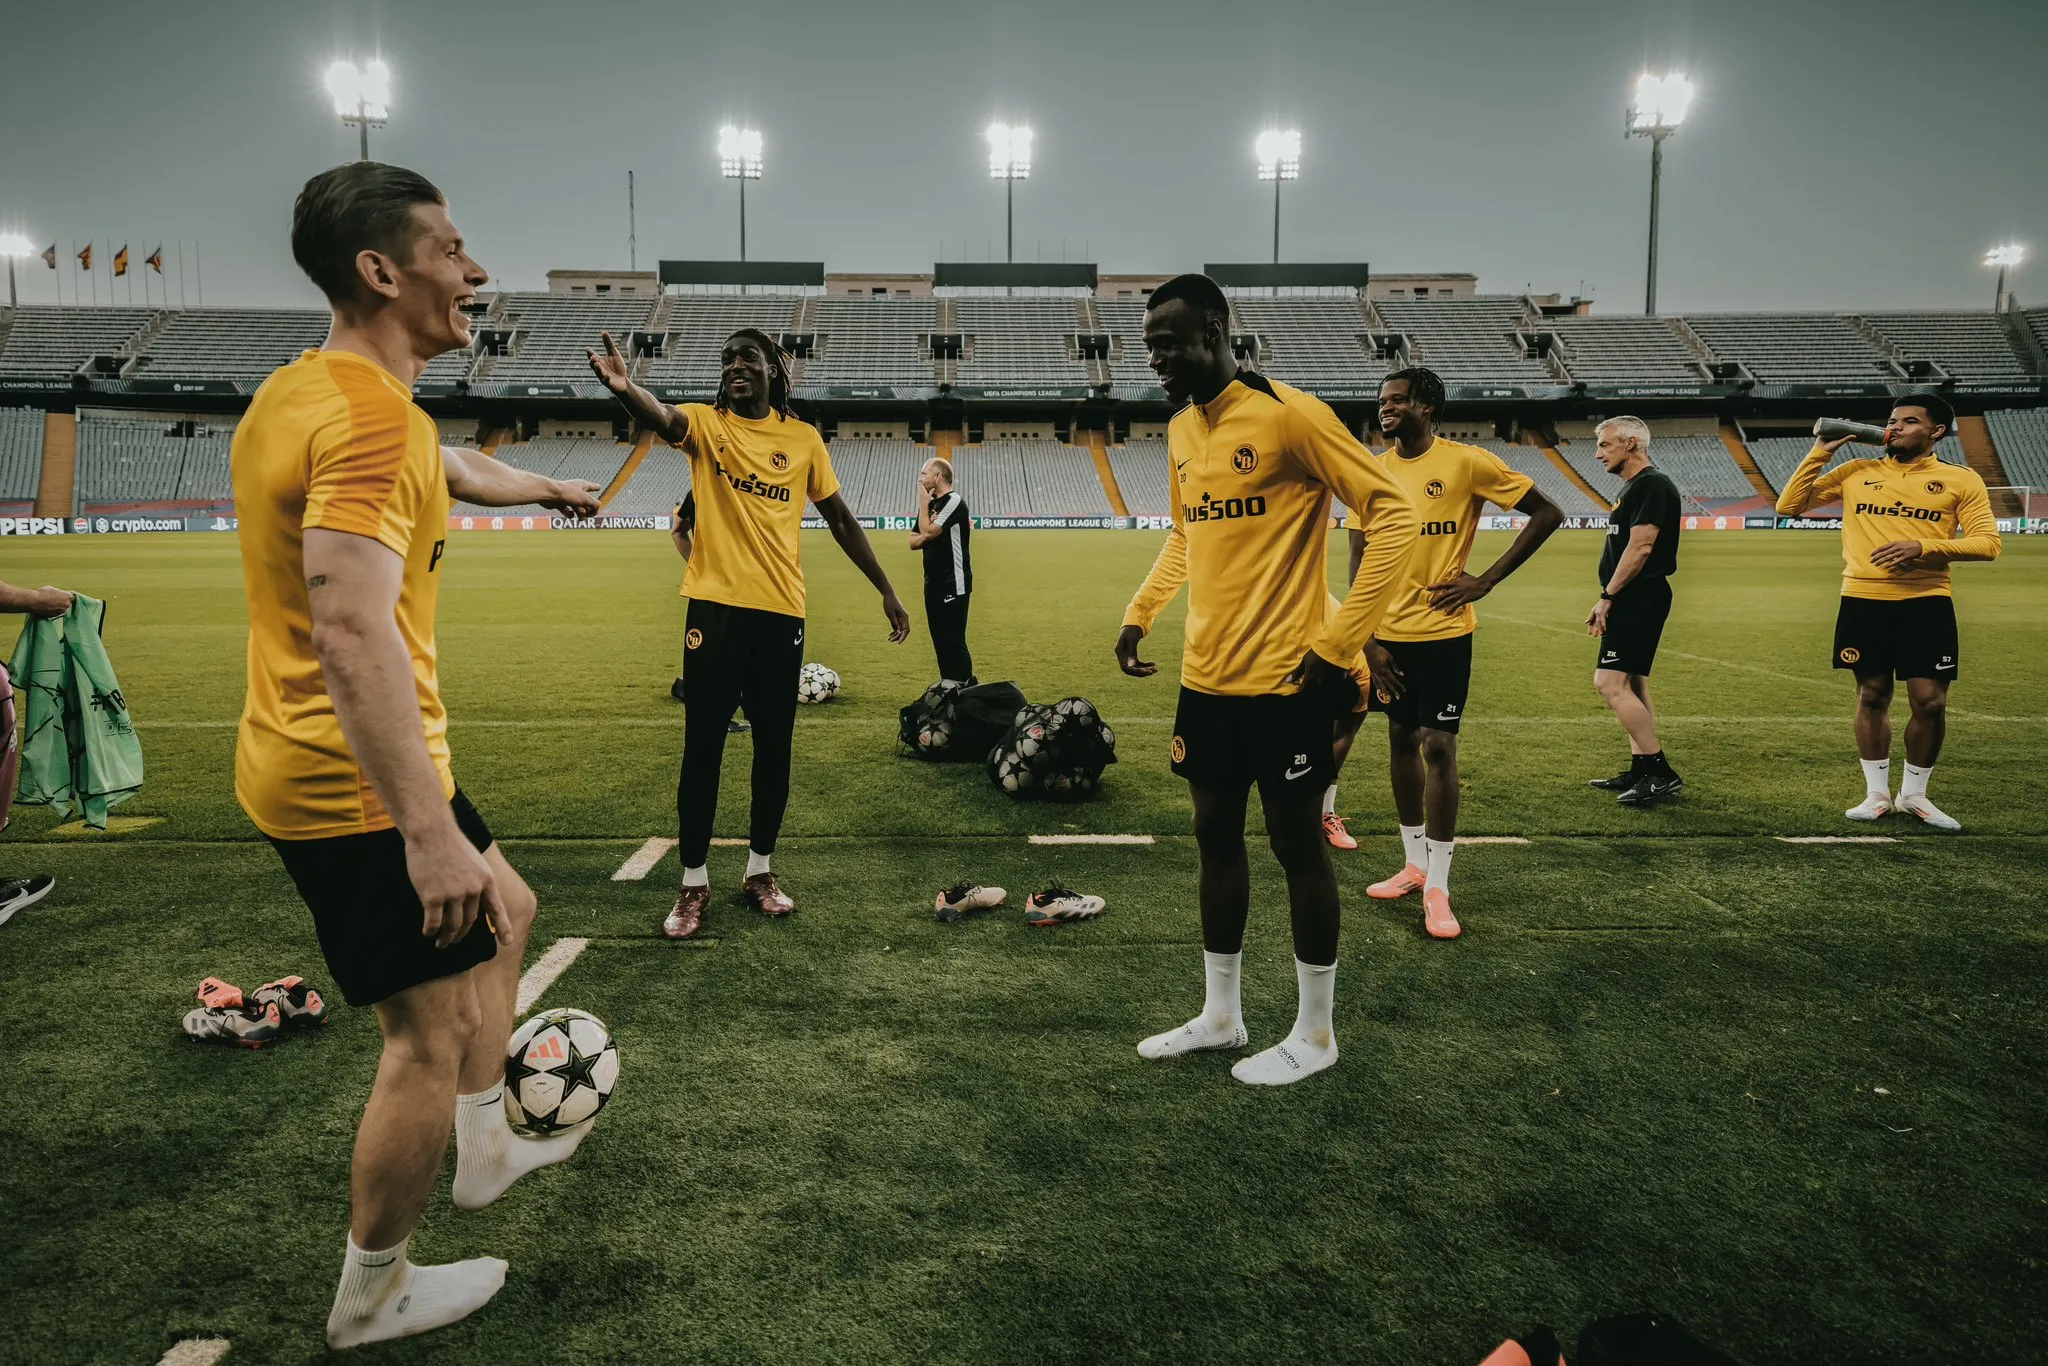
[{"x": 1841, "y": 153}]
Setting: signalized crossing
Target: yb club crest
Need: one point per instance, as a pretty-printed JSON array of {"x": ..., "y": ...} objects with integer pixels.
[
  {"x": 1935, "y": 486},
  {"x": 780, "y": 461},
  {"x": 1850, "y": 654},
  {"x": 693, "y": 639},
  {"x": 1244, "y": 460},
  {"x": 1434, "y": 488},
  {"x": 1180, "y": 750}
]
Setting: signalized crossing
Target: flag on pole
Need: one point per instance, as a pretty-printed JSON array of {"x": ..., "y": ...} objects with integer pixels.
[
  {"x": 50, "y": 256},
  {"x": 121, "y": 261},
  {"x": 156, "y": 258},
  {"x": 85, "y": 257}
]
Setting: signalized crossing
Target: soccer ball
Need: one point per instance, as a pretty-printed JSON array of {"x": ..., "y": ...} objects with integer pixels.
[
  {"x": 816, "y": 684},
  {"x": 560, "y": 1067},
  {"x": 936, "y": 735}
]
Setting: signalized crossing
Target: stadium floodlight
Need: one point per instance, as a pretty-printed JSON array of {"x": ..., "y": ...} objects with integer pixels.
[
  {"x": 362, "y": 96},
  {"x": 13, "y": 244},
  {"x": 1656, "y": 111},
  {"x": 2005, "y": 256},
  {"x": 739, "y": 158},
  {"x": 1009, "y": 160},
  {"x": 1279, "y": 154}
]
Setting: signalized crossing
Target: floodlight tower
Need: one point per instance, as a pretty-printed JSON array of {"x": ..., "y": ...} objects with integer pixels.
[
  {"x": 2008, "y": 255},
  {"x": 362, "y": 96},
  {"x": 13, "y": 244},
  {"x": 739, "y": 158},
  {"x": 1658, "y": 108},
  {"x": 1279, "y": 153},
  {"x": 1009, "y": 160}
]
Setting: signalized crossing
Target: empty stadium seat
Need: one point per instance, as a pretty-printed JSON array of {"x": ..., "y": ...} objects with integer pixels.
[
  {"x": 1312, "y": 342},
  {"x": 53, "y": 341},
  {"x": 1618, "y": 349},
  {"x": 656, "y": 488},
  {"x": 1548, "y": 478},
  {"x": 1018, "y": 341},
  {"x": 551, "y": 332},
  {"x": 1469, "y": 341},
  {"x": 1793, "y": 348},
  {"x": 132, "y": 458},
  {"x": 867, "y": 340},
  {"x": 1970, "y": 346},
  {"x": 231, "y": 343},
  {"x": 2021, "y": 436},
  {"x": 698, "y": 325},
  {"x": 1144, "y": 477},
  {"x": 21, "y": 454}
]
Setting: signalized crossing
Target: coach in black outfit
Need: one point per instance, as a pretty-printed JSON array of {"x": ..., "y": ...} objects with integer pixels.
[
  {"x": 1636, "y": 566},
  {"x": 942, "y": 532}
]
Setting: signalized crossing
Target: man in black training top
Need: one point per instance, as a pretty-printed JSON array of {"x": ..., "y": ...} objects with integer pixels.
[
  {"x": 1636, "y": 566},
  {"x": 942, "y": 531}
]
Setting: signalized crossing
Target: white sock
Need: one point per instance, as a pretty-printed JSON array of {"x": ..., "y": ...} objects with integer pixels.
[
  {"x": 756, "y": 863},
  {"x": 489, "y": 1157},
  {"x": 1330, "y": 800},
  {"x": 700, "y": 876},
  {"x": 1915, "y": 784},
  {"x": 1221, "y": 1023},
  {"x": 1877, "y": 775},
  {"x": 383, "y": 1296},
  {"x": 1313, "y": 1044},
  {"x": 1439, "y": 865},
  {"x": 1415, "y": 844}
]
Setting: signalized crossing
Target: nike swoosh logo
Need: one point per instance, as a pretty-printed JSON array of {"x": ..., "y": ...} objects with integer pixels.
[{"x": 1294, "y": 773}]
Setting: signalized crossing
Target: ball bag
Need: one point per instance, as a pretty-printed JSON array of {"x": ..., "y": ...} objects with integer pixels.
[{"x": 1054, "y": 753}]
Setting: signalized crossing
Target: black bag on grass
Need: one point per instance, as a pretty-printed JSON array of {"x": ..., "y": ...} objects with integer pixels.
[
  {"x": 954, "y": 723},
  {"x": 1054, "y": 753}
]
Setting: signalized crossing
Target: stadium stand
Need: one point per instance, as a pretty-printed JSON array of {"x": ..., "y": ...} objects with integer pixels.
[
  {"x": 1778, "y": 456},
  {"x": 1548, "y": 478},
  {"x": 1469, "y": 341},
  {"x": 1124, "y": 321},
  {"x": 873, "y": 341},
  {"x": 1970, "y": 346},
  {"x": 1700, "y": 465},
  {"x": 552, "y": 330},
  {"x": 1619, "y": 349},
  {"x": 655, "y": 488},
  {"x": 1143, "y": 476},
  {"x": 1018, "y": 341},
  {"x": 698, "y": 325},
  {"x": 1311, "y": 342},
  {"x": 1793, "y": 348},
  {"x": 991, "y": 477},
  {"x": 557, "y": 458},
  {"x": 2036, "y": 321},
  {"x": 21, "y": 454},
  {"x": 448, "y": 367},
  {"x": 2021, "y": 436},
  {"x": 230, "y": 343},
  {"x": 878, "y": 478},
  {"x": 1063, "y": 482},
  {"x": 132, "y": 460},
  {"x": 53, "y": 341}
]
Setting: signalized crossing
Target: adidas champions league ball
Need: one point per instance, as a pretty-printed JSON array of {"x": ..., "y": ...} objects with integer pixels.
[
  {"x": 560, "y": 1068},
  {"x": 816, "y": 683}
]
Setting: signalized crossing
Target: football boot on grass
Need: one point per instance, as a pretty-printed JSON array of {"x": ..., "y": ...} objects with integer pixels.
[
  {"x": 224, "y": 1016},
  {"x": 1060, "y": 906},
  {"x": 298, "y": 1004},
  {"x": 963, "y": 899}
]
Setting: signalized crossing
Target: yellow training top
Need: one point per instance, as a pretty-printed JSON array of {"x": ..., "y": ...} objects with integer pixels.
[
  {"x": 332, "y": 440},
  {"x": 1450, "y": 484},
  {"x": 750, "y": 479},
  {"x": 1944, "y": 507},
  {"x": 1254, "y": 471}
]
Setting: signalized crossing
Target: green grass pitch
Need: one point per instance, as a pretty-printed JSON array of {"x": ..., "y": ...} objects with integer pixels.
[{"x": 1790, "y": 1093}]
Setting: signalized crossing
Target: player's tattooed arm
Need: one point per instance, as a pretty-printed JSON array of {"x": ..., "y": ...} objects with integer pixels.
[{"x": 316, "y": 581}]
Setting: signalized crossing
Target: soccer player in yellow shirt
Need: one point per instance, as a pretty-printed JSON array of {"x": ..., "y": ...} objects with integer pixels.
[
  {"x": 1265, "y": 673},
  {"x": 1905, "y": 519},
  {"x": 1421, "y": 655},
  {"x": 753, "y": 465},
  {"x": 341, "y": 493}
]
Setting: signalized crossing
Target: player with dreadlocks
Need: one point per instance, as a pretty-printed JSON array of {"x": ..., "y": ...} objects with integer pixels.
[{"x": 753, "y": 465}]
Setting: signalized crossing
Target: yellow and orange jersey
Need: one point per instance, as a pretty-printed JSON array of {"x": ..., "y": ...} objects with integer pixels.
[
  {"x": 1942, "y": 506},
  {"x": 1450, "y": 484},
  {"x": 1254, "y": 473},
  {"x": 331, "y": 440},
  {"x": 750, "y": 479}
]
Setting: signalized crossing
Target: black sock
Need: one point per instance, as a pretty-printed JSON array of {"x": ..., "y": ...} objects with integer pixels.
[
  {"x": 1639, "y": 764},
  {"x": 1657, "y": 763}
]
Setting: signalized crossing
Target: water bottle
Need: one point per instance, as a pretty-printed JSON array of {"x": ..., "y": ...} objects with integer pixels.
[{"x": 1829, "y": 428}]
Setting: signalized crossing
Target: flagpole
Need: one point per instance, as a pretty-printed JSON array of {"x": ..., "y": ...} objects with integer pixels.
[
  {"x": 198, "y": 272},
  {"x": 181, "y": 272}
]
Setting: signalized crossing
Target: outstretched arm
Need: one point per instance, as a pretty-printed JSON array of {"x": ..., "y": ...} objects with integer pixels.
[
  {"x": 477, "y": 478},
  {"x": 650, "y": 412},
  {"x": 40, "y": 602},
  {"x": 846, "y": 529}
]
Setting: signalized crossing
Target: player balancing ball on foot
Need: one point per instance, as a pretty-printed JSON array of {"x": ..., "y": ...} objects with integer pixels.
[{"x": 560, "y": 1068}]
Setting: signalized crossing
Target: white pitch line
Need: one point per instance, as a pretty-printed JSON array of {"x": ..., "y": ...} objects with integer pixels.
[
  {"x": 195, "y": 1352},
  {"x": 545, "y": 970},
  {"x": 724, "y": 842},
  {"x": 1491, "y": 839},
  {"x": 1091, "y": 839},
  {"x": 637, "y": 867},
  {"x": 1836, "y": 839}
]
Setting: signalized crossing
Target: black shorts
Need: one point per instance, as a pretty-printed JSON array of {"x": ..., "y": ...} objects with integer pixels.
[
  {"x": 1435, "y": 676},
  {"x": 368, "y": 916},
  {"x": 1635, "y": 623},
  {"x": 1909, "y": 638},
  {"x": 742, "y": 655},
  {"x": 1235, "y": 742}
]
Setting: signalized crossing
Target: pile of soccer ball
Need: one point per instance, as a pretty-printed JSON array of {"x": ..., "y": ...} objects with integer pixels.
[
  {"x": 1054, "y": 752},
  {"x": 932, "y": 717},
  {"x": 560, "y": 1068},
  {"x": 816, "y": 684}
]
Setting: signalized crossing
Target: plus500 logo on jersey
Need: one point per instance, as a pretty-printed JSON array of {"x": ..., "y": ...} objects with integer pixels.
[
  {"x": 756, "y": 486},
  {"x": 1214, "y": 509},
  {"x": 1439, "y": 529},
  {"x": 1899, "y": 510}
]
